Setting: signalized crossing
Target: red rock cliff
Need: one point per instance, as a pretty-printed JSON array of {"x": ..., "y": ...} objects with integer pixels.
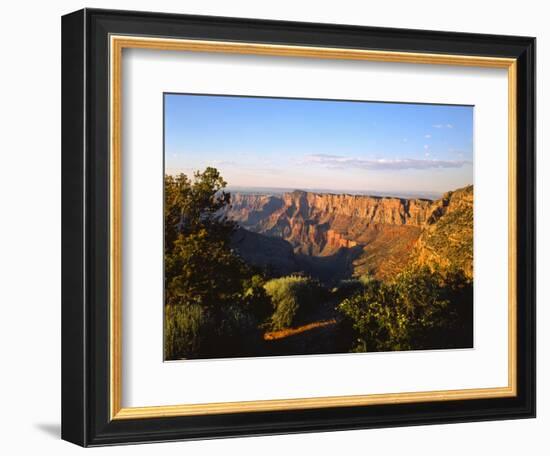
[{"x": 389, "y": 230}]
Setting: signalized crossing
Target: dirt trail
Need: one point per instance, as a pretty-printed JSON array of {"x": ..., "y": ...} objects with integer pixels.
[{"x": 281, "y": 334}]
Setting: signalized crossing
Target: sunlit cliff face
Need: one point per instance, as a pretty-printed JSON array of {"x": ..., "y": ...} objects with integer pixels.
[{"x": 390, "y": 231}]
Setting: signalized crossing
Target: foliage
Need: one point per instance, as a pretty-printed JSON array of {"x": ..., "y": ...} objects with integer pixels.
[
  {"x": 255, "y": 298},
  {"x": 183, "y": 330},
  {"x": 419, "y": 309},
  {"x": 191, "y": 331},
  {"x": 349, "y": 287},
  {"x": 293, "y": 297},
  {"x": 194, "y": 204},
  {"x": 203, "y": 270},
  {"x": 212, "y": 298}
]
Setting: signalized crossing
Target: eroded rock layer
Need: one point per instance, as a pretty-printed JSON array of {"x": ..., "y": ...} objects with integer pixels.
[{"x": 382, "y": 234}]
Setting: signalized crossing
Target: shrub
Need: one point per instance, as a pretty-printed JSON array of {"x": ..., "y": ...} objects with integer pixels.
[
  {"x": 349, "y": 287},
  {"x": 237, "y": 333},
  {"x": 255, "y": 298},
  {"x": 292, "y": 297},
  {"x": 192, "y": 331},
  {"x": 184, "y": 331},
  {"x": 419, "y": 309}
]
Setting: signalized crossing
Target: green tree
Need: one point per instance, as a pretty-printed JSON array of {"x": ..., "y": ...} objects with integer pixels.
[
  {"x": 200, "y": 266},
  {"x": 191, "y": 205},
  {"x": 207, "y": 312}
]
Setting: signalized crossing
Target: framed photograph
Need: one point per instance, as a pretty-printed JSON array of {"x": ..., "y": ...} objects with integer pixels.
[{"x": 279, "y": 227}]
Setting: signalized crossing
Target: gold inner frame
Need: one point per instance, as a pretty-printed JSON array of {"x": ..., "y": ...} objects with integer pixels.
[{"x": 117, "y": 44}]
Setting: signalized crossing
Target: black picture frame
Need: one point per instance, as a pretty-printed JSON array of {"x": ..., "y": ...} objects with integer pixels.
[{"x": 85, "y": 227}]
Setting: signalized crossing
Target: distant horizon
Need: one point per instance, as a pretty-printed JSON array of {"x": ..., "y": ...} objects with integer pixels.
[
  {"x": 263, "y": 190},
  {"x": 370, "y": 193},
  {"x": 366, "y": 192},
  {"x": 342, "y": 146}
]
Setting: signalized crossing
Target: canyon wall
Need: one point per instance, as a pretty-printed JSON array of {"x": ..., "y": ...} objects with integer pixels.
[{"x": 385, "y": 233}]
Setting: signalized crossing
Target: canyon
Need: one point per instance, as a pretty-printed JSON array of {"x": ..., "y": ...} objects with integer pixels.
[{"x": 334, "y": 236}]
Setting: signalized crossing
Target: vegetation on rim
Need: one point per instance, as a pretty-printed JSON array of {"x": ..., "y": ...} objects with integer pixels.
[{"x": 208, "y": 288}]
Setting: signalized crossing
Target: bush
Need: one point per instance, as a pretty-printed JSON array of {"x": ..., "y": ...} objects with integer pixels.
[
  {"x": 184, "y": 331},
  {"x": 292, "y": 298},
  {"x": 237, "y": 334},
  {"x": 349, "y": 287},
  {"x": 192, "y": 331},
  {"x": 255, "y": 298},
  {"x": 419, "y": 309}
]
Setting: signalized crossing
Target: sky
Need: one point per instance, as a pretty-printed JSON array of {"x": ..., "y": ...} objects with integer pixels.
[{"x": 321, "y": 144}]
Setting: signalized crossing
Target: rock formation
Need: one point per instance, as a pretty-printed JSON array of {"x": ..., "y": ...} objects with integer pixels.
[{"x": 388, "y": 232}]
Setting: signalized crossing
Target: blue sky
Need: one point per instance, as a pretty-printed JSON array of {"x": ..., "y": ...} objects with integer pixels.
[{"x": 321, "y": 144}]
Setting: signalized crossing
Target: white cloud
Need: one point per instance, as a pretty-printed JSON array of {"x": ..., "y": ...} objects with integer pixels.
[
  {"x": 427, "y": 136},
  {"x": 337, "y": 161},
  {"x": 443, "y": 125},
  {"x": 426, "y": 147}
]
